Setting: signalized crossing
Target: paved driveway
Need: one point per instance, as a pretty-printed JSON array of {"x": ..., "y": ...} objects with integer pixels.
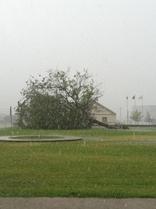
[{"x": 76, "y": 203}]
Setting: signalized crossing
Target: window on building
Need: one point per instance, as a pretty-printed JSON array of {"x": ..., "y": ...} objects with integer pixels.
[{"x": 104, "y": 120}]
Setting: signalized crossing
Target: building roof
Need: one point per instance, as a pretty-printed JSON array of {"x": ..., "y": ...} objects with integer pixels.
[{"x": 105, "y": 108}]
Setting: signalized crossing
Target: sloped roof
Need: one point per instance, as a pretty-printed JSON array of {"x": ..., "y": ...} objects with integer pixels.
[{"x": 105, "y": 108}]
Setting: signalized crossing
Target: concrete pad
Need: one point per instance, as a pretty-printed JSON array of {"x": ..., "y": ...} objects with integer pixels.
[
  {"x": 36, "y": 138},
  {"x": 76, "y": 203}
]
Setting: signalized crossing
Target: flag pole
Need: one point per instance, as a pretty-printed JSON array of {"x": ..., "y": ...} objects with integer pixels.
[
  {"x": 134, "y": 98},
  {"x": 120, "y": 114},
  {"x": 142, "y": 107}
]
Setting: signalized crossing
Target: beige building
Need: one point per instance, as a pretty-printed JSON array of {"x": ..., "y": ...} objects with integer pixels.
[{"x": 103, "y": 114}]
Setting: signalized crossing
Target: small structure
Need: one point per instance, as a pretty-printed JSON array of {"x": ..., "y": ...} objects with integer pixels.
[{"x": 103, "y": 114}]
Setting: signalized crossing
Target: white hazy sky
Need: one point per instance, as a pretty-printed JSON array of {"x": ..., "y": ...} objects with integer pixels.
[{"x": 114, "y": 39}]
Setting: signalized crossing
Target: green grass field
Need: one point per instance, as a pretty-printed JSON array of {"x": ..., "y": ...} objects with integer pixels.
[{"x": 108, "y": 163}]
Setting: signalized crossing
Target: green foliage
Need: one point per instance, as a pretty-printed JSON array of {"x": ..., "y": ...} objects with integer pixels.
[
  {"x": 136, "y": 116},
  {"x": 57, "y": 101}
]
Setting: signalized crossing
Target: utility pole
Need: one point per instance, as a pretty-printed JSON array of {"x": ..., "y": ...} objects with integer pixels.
[{"x": 11, "y": 117}]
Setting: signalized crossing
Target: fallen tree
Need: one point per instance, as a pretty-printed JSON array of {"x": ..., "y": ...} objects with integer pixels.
[{"x": 57, "y": 101}]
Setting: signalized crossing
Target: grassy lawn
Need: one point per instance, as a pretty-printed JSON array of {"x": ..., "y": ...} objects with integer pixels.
[{"x": 108, "y": 163}]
